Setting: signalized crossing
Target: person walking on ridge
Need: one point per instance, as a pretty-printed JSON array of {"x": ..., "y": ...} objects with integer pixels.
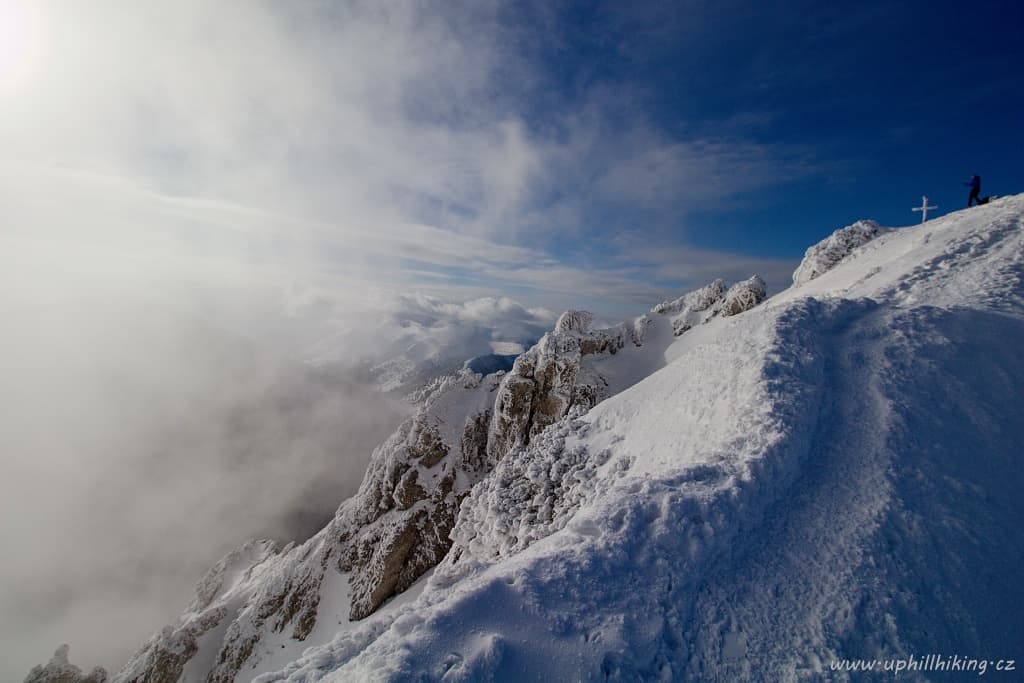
[{"x": 975, "y": 184}]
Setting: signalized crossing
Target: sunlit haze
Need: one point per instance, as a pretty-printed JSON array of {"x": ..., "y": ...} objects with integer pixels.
[{"x": 18, "y": 40}]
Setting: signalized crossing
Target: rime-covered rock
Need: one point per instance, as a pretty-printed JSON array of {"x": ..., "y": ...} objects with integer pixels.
[
  {"x": 550, "y": 378},
  {"x": 574, "y": 321},
  {"x": 225, "y": 588},
  {"x": 165, "y": 656},
  {"x": 532, "y": 492},
  {"x": 743, "y": 296},
  {"x": 827, "y": 253},
  {"x": 712, "y": 300},
  {"x": 693, "y": 308},
  {"x": 60, "y": 670},
  {"x": 697, "y": 300}
]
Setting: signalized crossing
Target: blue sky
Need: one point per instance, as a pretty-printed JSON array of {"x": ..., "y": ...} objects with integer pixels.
[
  {"x": 566, "y": 154},
  {"x": 763, "y": 126},
  {"x": 863, "y": 106}
]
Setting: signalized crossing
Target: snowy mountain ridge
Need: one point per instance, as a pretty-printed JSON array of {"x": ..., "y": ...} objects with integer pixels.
[{"x": 691, "y": 495}]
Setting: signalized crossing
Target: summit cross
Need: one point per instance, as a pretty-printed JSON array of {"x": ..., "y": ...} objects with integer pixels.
[{"x": 924, "y": 208}]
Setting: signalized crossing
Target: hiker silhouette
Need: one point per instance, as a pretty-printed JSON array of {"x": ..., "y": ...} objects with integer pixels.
[{"x": 975, "y": 184}]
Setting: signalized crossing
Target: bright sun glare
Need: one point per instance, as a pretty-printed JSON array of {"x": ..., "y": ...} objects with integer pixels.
[{"x": 16, "y": 39}]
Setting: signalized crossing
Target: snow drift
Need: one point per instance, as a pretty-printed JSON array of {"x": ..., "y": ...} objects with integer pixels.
[{"x": 696, "y": 494}]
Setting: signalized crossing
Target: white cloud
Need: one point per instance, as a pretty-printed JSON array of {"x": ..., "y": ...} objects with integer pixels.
[
  {"x": 420, "y": 328},
  {"x": 696, "y": 266},
  {"x": 695, "y": 172}
]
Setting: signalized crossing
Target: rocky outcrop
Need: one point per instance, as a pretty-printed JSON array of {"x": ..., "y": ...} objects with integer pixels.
[
  {"x": 546, "y": 381},
  {"x": 474, "y": 443},
  {"x": 743, "y": 296},
  {"x": 165, "y": 656},
  {"x": 219, "y": 594},
  {"x": 824, "y": 255},
  {"x": 712, "y": 300},
  {"x": 574, "y": 321},
  {"x": 693, "y": 308},
  {"x": 387, "y": 558},
  {"x": 531, "y": 493},
  {"x": 60, "y": 670},
  {"x": 399, "y": 525}
]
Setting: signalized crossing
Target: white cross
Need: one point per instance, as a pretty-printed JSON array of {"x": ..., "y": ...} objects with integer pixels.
[{"x": 924, "y": 208}]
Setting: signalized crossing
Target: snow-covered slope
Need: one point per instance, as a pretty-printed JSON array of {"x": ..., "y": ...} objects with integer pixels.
[
  {"x": 834, "y": 474},
  {"x": 691, "y": 495},
  {"x": 261, "y": 606}
]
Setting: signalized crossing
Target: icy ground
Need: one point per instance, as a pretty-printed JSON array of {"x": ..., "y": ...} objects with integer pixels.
[{"x": 835, "y": 473}]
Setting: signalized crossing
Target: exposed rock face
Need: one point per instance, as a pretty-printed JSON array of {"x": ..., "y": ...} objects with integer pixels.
[
  {"x": 59, "y": 670},
  {"x": 167, "y": 653},
  {"x": 400, "y": 523},
  {"x": 549, "y": 379},
  {"x": 164, "y": 657},
  {"x": 827, "y": 253},
  {"x": 387, "y": 555},
  {"x": 474, "y": 443}
]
